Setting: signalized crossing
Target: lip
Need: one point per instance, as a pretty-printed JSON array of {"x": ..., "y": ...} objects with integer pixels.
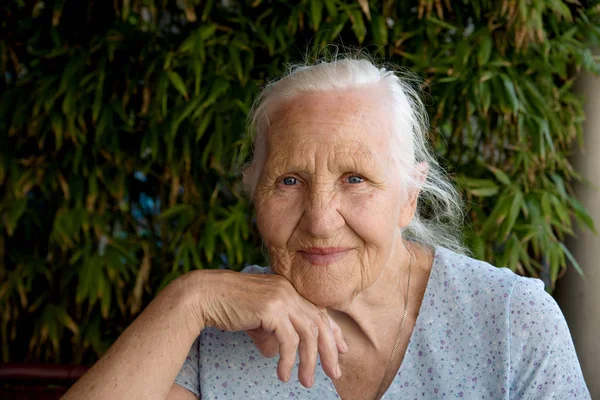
[{"x": 323, "y": 255}]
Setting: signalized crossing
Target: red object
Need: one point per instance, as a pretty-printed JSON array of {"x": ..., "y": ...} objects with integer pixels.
[{"x": 28, "y": 381}]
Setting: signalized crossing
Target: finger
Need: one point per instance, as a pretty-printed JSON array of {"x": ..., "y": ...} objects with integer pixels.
[
  {"x": 340, "y": 342},
  {"x": 327, "y": 347},
  {"x": 264, "y": 341},
  {"x": 308, "y": 349},
  {"x": 288, "y": 341}
]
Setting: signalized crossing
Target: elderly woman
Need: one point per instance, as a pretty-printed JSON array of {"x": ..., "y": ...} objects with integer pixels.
[{"x": 373, "y": 299}]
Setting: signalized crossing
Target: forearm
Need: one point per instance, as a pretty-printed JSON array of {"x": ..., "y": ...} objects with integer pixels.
[{"x": 146, "y": 358}]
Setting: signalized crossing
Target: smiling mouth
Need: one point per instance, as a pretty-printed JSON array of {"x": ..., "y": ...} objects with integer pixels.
[{"x": 323, "y": 255}]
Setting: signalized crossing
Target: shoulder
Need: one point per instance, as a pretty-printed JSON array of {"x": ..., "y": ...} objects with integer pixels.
[
  {"x": 464, "y": 275},
  {"x": 543, "y": 361}
]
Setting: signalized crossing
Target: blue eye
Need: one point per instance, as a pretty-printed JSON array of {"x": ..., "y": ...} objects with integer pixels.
[
  {"x": 355, "y": 179},
  {"x": 289, "y": 181}
]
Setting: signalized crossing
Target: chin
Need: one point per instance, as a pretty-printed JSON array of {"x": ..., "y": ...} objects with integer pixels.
[{"x": 325, "y": 296}]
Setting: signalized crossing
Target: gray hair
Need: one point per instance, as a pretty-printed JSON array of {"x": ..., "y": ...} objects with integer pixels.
[{"x": 438, "y": 220}]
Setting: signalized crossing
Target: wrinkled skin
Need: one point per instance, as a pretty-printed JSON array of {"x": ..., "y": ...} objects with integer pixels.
[
  {"x": 331, "y": 202},
  {"x": 330, "y": 180}
]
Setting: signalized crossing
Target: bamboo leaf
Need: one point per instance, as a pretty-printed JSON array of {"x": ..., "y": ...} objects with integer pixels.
[
  {"x": 97, "y": 105},
  {"x": 203, "y": 125},
  {"x": 484, "y": 192},
  {"x": 513, "y": 214},
  {"x": 380, "y": 31},
  {"x": 331, "y": 8},
  {"x": 572, "y": 259},
  {"x": 485, "y": 49},
  {"x": 316, "y": 12},
  {"x": 177, "y": 82},
  {"x": 12, "y": 216},
  {"x": 237, "y": 64},
  {"x": 364, "y": 5},
  {"x": 510, "y": 90},
  {"x": 358, "y": 25},
  {"x": 500, "y": 175},
  {"x": 177, "y": 210}
]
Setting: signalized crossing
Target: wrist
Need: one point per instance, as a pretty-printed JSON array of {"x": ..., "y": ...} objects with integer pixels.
[{"x": 187, "y": 296}]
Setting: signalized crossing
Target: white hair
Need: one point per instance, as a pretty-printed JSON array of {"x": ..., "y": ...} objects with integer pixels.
[{"x": 438, "y": 220}]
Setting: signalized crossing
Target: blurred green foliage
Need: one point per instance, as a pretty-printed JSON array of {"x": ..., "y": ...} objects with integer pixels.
[{"x": 122, "y": 132}]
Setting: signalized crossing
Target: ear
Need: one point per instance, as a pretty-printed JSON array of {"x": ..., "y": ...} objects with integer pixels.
[{"x": 418, "y": 177}]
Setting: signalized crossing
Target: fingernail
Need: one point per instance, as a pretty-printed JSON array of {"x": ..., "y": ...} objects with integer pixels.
[
  {"x": 287, "y": 377},
  {"x": 338, "y": 371},
  {"x": 345, "y": 347}
]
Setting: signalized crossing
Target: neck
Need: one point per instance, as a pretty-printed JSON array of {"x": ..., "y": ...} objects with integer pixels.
[{"x": 373, "y": 316}]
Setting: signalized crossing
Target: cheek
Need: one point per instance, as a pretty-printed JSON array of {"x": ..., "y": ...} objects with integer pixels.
[
  {"x": 372, "y": 216},
  {"x": 277, "y": 217}
]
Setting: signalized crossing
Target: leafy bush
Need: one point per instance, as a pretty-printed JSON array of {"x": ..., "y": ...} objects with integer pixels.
[{"x": 122, "y": 131}]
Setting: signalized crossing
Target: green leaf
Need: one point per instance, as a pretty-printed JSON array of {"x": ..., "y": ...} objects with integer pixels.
[
  {"x": 582, "y": 215},
  {"x": 510, "y": 90},
  {"x": 203, "y": 125},
  {"x": 88, "y": 277},
  {"x": 206, "y": 31},
  {"x": 560, "y": 210},
  {"x": 485, "y": 49},
  {"x": 208, "y": 5},
  {"x": 486, "y": 96},
  {"x": 208, "y": 241},
  {"x": 498, "y": 214},
  {"x": 513, "y": 214},
  {"x": 468, "y": 183},
  {"x": 195, "y": 258},
  {"x": 500, "y": 175},
  {"x": 380, "y": 31},
  {"x": 237, "y": 64},
  {"x": 358, "y": 24},
  {"x": 64, "y": 319},
  {"x": 478, "y": 247},
  {"x": 219, "y": 87},
  {"x": 188, "y": 44},
  {"x": 178, "y": 210},
  {"x": 97, "y": 105},
  {"x": 338, "y": 26},
  {"x": 185, "y": 112},
  {"x": 11, "y": 218},
  {"x": 572, "y": 259},
  {"x": 316, "y": 12},
  {"x": 177, "y": 82},
  {"x": 105, "y": 296},
  {"x": 331, "y": 8},
  {"x": 197, "y": 68},
  {"x": 484, "y": 192}
]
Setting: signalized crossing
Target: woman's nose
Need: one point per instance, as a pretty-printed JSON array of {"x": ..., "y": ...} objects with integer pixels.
[{"x": 322, "y": 215}]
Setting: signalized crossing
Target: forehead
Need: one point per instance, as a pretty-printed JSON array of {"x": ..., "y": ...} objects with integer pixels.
[{"x": 348, "y": 121}]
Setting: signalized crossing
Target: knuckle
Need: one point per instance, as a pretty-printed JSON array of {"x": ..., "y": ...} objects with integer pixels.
[
  {"x": 335, "y": 328},
  {"x": 274, "y": 305},
  {"x": 295, "y": 340},
  {"x": 324, "y": 317},
  {"x": 313, "y": 328}
]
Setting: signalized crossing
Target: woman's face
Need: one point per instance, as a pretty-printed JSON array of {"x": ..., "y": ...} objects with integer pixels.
[{"x": 329, "y": 197}]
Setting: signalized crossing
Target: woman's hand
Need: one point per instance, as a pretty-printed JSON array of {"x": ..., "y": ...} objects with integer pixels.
[{"x": 277, "y": 319}]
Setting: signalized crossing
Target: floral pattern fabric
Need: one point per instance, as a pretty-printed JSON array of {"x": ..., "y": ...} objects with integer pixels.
[{"x": 482, "y": 333}]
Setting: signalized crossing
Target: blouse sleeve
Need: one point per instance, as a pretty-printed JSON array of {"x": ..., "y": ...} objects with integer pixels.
[
  {"x": 543, "y": 362},
  {"x": 188, "y": 377}
]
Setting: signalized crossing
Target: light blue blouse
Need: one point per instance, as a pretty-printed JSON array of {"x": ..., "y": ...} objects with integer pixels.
[{"x": 482, "y": 333}]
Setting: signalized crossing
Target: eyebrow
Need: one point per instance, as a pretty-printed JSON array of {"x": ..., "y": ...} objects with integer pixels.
[{"x": 346, "y": 160}]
